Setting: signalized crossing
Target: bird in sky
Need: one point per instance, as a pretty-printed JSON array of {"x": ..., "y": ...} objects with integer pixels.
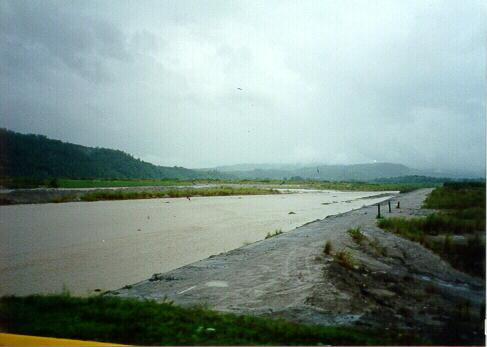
[{"x": 239, "y": 88}]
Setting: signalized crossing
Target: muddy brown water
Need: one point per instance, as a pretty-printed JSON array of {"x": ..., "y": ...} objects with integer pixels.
[{"x": 104, "y": 245}]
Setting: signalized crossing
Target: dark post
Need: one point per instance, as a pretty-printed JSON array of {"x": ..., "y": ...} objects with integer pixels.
[
  {"x": 378, "y": 210},
  {"x": 398, "y": 204},
  {"x": 389, "y": 203}
]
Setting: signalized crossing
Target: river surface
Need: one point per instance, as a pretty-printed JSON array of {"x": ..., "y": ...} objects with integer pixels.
[{"x": 84, "y": 246}]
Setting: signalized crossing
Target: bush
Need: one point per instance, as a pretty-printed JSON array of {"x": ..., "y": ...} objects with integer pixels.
[
  {"x": 275, "y": 233},
  {"x": 345, "y": 259},
  {"x": 328, "y": 247}
]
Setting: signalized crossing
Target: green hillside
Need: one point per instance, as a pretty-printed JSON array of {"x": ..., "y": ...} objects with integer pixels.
[{"x": 38, "y": 156}]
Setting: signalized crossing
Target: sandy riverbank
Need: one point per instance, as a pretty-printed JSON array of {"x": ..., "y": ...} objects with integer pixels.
[{"x": 396, "y": 283}]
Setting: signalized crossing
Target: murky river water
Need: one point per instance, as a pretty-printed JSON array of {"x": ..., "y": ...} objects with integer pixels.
[{"x": 82, "y": 246}]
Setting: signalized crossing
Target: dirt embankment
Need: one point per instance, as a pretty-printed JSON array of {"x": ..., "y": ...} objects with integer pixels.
[{"x": 385, "y": 282}]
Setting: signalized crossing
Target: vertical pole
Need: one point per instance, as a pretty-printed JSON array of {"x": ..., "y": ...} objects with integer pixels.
[
  {"x": 389, "y": 203},
  {"x": 378, "y": 210}
]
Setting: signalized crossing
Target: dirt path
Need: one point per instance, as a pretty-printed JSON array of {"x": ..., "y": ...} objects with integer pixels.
[{"x": 394, "y": 282}]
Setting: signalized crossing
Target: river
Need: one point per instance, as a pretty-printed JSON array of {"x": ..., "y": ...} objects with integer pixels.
[{"x": 85, "y": 246}]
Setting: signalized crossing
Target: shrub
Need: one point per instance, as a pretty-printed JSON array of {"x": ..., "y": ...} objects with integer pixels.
[
  {"x": 328, "y": 247},
  {"x": 345, "y": 259},
  {"x": 275, "y": 233}
]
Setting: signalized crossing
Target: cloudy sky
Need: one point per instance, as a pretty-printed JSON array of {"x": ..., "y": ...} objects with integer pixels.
[{"x": 205, "y": 83}]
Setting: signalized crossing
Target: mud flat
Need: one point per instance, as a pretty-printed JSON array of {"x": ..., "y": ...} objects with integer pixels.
[
  {"x": 391, "y": 283},
  {"x": 85, "y": 246}
]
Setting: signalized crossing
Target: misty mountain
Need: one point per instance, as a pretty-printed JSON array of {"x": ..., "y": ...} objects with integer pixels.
[
  {"x": 32, "y": 155},
  {"x": 250, "y": 167},
  {"x": 363, "y": 172},
  {"x": 38, "y": 156},
  {"x": 356, "y": 172}
]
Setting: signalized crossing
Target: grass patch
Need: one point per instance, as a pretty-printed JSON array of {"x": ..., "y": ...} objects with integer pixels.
[
  {"x": 129, "y": 321},
  {"x": 345, "y": 259},
  {"x": 469, "y": 257},
  {"x": 63, "y": 198},
  {"x": 458, "y": 196},
  {"x": 366, "y": 186},
  {"x": 176, "y": 193},
  {"x": 109, "y": 183},
  {"x": 356, "y": 235},
  {"x": 462, "y": 213},
  {"x": 275, "y": 233},
  {"x": 379, "y": 249}
]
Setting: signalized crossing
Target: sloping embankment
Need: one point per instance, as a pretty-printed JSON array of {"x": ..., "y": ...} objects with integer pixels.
[{"x": 390, "y": 283}]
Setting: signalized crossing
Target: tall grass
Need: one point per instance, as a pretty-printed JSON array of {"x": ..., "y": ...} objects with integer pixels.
[
  {"x": 462, "y": 213},
  {"x": 356, "y": 235},
  {"x": 457, "y": 196}
]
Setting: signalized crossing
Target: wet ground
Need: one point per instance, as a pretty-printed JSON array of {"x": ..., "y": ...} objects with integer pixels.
[{"x": 389, "y": 283}]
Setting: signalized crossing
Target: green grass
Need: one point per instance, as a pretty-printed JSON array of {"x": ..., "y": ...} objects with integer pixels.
[
  {"x": 458, "y": 196},
  {"x": 130, "y": 321},
  {"x": 175, "y": 193},
  {"x": 356, "y": 235},
  {"x": 462, "y": 213}
]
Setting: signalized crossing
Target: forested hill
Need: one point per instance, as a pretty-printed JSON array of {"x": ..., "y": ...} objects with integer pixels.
[{"x": 38, "y": 156}]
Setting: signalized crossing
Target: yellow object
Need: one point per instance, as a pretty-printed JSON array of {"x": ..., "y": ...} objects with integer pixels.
[{"x": 26, "y": 340}]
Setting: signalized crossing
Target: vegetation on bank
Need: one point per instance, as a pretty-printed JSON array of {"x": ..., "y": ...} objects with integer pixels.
[
  {"x": 462, "y": 213},
  {"x": 175, "y": 193},
  {"x": 366, "y": 186},
  {"x": 33, "y": 182},
  {"x": 274, "y": 233},
  {"x": 356, "y": 234},
  {"x": 130, "y": 321}
]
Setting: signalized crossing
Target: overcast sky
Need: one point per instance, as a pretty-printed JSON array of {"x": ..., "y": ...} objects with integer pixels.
[{"x": 205, "y": 83}]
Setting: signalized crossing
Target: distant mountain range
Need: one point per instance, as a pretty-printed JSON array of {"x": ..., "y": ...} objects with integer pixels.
[
  {"x": 355, "y": 172},
  {"x": 31, "y": 155},
  {"x": 363, "y": 172}
]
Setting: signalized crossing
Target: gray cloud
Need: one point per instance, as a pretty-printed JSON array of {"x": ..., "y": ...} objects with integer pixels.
[{"x": 333, "y": 82}]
